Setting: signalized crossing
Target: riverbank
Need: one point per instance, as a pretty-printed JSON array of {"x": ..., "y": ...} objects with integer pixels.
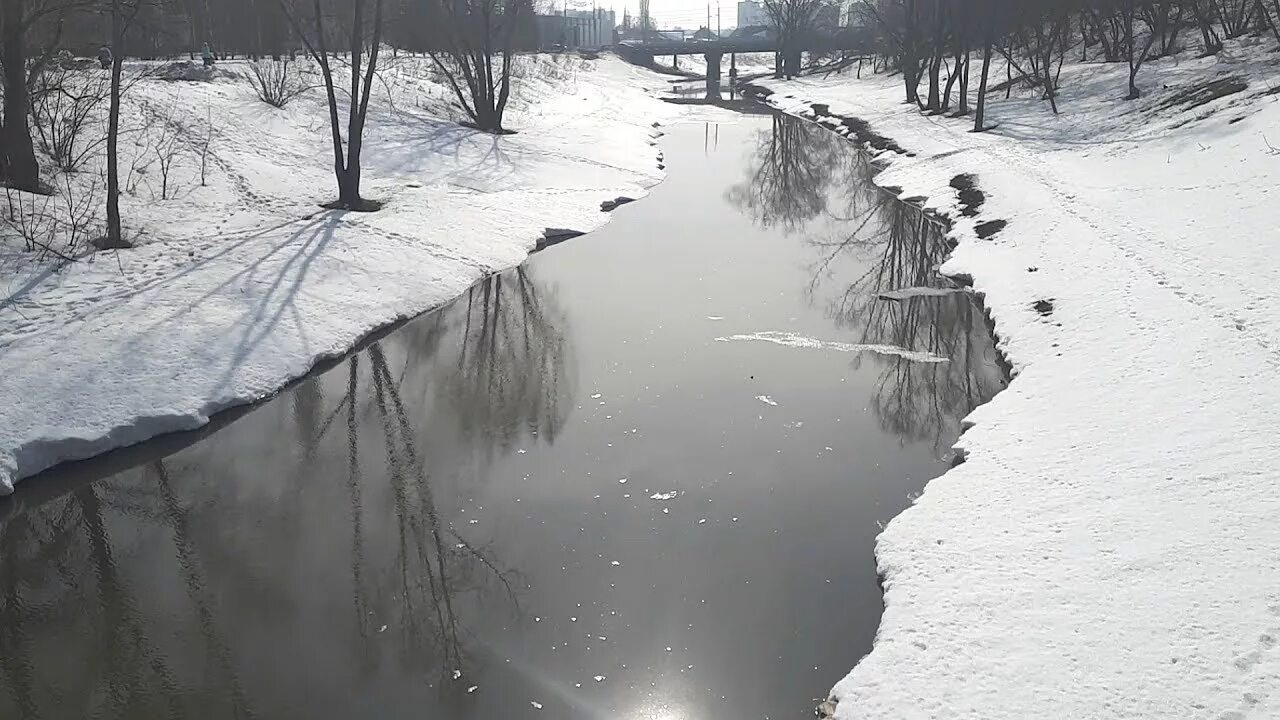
[
  {"x": 1109, "y": 548},
  {"x": 486, "y": 508},
  {"x": 239, "y": 282}
]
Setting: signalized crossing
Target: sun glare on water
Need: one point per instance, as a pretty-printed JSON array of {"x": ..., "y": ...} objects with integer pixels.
[{"x": 659, "y": 711}]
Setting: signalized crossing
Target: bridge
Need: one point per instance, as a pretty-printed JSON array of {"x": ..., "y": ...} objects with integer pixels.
[{"x": 644, "y": 52}]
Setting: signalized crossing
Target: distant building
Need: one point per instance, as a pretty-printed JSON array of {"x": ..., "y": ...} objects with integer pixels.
[
  {"x": 705, "y": 34},
  {"x": 575, "y": 29},
  {"x": 752, "y": 13}
]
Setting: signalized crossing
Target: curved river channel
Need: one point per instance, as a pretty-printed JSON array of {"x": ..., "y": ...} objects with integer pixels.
[{"x": 639, "y": 477}]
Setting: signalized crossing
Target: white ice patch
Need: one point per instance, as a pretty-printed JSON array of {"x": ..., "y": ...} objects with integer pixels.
[
  {"x": 664, "y": 496},
  {"x": 766, "y": 400},
  {"x": 912, "y": 292},
  {"x": 794, "y": 340}
]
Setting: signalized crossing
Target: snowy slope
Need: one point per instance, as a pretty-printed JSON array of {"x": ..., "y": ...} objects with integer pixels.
[
  {"x": 241, "y": 284},
  {"x": 1111, "y": 548}
]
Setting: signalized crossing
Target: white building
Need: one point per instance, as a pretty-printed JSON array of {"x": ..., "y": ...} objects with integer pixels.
[
  {"x": 591, "y": 28},
  {"x": 752, "y": 12},
  {"x": 573, "y": 29}
]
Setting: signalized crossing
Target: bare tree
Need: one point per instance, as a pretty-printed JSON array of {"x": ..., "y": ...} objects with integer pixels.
[
  {"x": 123, "y": 15},
  {"x": 477, "y": 53},
  {"x": 275, "y": 83},
  {"x": 364, "y": 36},
  {"x": 21, "y": 23},
  {"x": 794, "y": 21},
  {"x": 65, "y": 103},
  {"x": 1136, "y": 56}
]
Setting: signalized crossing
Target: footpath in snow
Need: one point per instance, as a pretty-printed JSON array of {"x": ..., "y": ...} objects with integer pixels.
[
  {"x": 242, "y": 283},
  {"x": 1111, "y": 547}
]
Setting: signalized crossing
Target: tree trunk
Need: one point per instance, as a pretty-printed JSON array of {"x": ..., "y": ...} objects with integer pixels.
[
  {"x": 935, "y": 72},
  {"x": 1134, "y": 93},
  {"x": 981, "y": 111},
  {"x": 115, "y": 236},
  {"x": 791, "y": 61},
  {"x": 952, "y": 77},
  {"x": 19, "y": 157}
]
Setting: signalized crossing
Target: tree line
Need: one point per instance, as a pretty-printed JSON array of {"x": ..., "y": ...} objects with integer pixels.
[
  {"x": 933, "y": 42},
  {"x": 471, "y": 44}
]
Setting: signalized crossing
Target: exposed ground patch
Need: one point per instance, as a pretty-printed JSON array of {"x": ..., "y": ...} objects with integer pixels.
[
  {"x": 1202, "y": 93},
  {"x": 971, "y": 198}
]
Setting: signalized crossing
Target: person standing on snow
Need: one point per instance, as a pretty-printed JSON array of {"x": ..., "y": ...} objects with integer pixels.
[
  {"x": 104, "y": 57},
  {"x": 207, "y": 55}
]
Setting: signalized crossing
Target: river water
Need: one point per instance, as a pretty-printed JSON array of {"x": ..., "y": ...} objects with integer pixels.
[{"x": 638, "y": 478}]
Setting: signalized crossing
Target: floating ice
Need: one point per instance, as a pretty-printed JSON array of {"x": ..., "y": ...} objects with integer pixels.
[
  {"x": 664, "y": 496},
  {"x": 911, "y": 292},
  {"x": 766, "y": 400},
  {"x": 793, "y": 340}
]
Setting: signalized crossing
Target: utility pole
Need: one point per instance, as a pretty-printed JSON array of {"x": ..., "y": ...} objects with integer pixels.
[
  {"x": 708, "y": 26},
  {"x": 718, "y": 34}
]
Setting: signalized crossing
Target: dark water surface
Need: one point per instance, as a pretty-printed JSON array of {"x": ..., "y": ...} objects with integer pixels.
[{"x": 560, "y": 496}]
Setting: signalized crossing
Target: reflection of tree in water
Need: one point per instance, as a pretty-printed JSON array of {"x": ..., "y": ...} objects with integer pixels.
[
  {"x": 789, "y": 174},
  {"x": 72, "y": 619},
  {"x": 128, "y": 598},
  {"x": 915, "y": 400},
  {"x": 510, "y": 374},
  {"x": 809, "y": 181}
]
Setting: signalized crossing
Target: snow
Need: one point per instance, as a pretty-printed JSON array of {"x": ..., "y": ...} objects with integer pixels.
[
  {"x": 1110, "y": 547},
  {"x": 243, "y": 283}
]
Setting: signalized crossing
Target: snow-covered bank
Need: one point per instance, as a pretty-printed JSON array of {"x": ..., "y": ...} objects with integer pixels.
[
  {"x": 242, "y": 283},
  {"x": 1110, "y": 548}
]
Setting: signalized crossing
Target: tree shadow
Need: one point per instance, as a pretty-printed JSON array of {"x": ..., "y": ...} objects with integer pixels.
[{"x": 162, "y": 591}]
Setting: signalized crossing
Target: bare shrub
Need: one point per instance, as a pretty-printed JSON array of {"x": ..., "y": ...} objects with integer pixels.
[
  {"x": 276, "y": 83},
  {"x": 166, "y": 152},
  {"x": 65, "y": 105},
  {"x": 53, "y": 225},
  {"x": 158, "y": 145}
]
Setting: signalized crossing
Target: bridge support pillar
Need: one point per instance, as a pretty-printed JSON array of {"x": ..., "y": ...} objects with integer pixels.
[{"x": 713, "y": 71}]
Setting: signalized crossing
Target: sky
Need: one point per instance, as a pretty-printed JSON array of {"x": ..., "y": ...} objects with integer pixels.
[{"x": 690, "y": 14}]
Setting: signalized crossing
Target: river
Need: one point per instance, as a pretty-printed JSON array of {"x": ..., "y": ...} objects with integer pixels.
[{"x": 639, "y": 477}]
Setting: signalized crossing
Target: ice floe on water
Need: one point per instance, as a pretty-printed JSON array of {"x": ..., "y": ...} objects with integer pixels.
[
  {"x": 788, "y": 339},
  {"x": 766, "y": 400},
  {"x": 911, "y": 292}
]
